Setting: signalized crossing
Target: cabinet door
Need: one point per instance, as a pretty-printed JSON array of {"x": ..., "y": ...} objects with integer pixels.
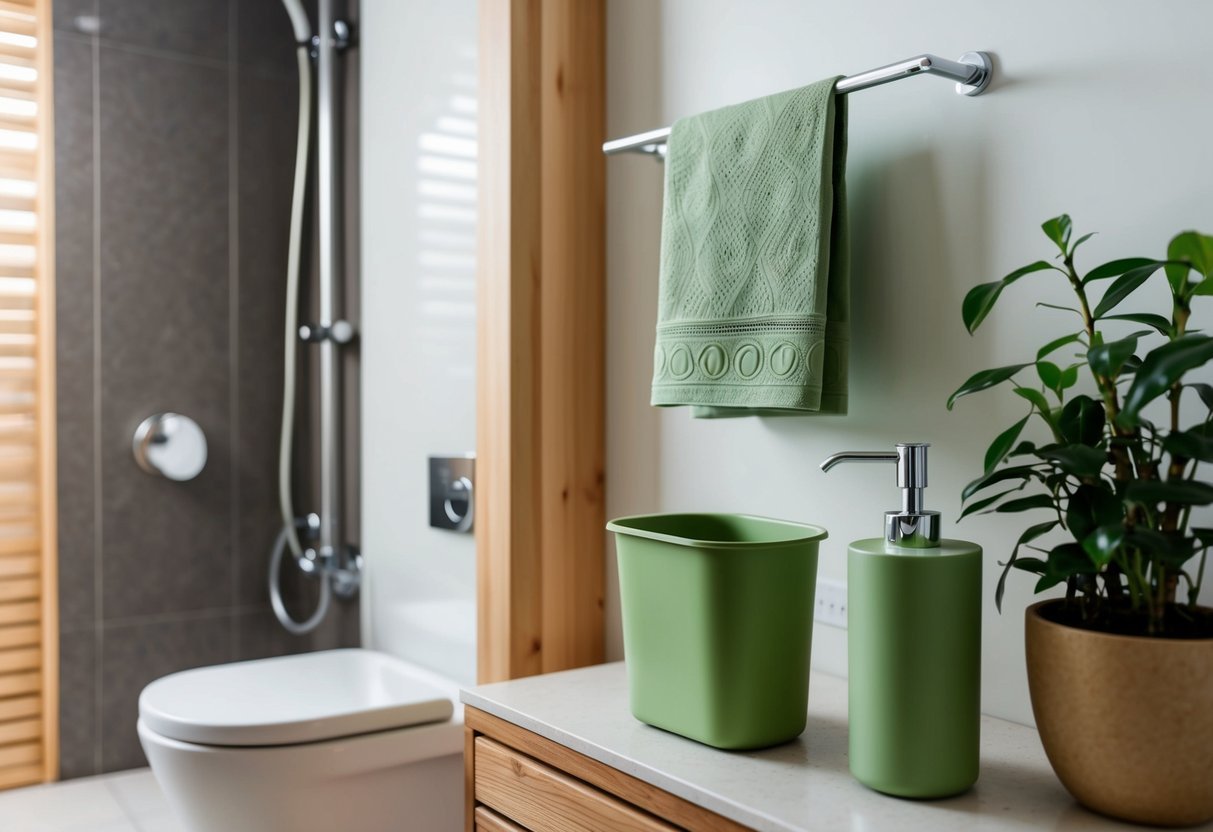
[
  {"x": 489, "y": 821},
  {"x": 543, "y": 799}
]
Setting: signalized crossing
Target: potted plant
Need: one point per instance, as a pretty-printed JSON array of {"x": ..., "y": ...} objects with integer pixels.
[{"x": 1120, "y": 669}]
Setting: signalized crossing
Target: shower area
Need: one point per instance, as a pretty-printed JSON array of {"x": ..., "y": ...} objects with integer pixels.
[{"x": 176, "y": 180}]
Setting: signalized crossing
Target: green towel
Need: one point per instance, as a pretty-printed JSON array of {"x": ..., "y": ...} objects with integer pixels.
[{"x": 754, "y": 301}]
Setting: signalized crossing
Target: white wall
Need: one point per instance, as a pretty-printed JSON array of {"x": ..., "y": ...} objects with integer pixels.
[
  {"x": 1100, "y": 108},
  {"x": 418, "y": 116}
]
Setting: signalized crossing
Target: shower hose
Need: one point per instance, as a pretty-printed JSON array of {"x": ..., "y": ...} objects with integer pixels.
[{"x": 288, "y": 537}]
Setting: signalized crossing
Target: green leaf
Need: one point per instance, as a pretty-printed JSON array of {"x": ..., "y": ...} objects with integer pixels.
[
  {"x": 1122, "y": 287},
  {"x": 1024, "y": 448},
  {"x": 1102, "y": 543},
  {"x": 1157, "y": 322},
  {"x": 981, "y": 299},
  {"x": 1081, "y": 461},
  {"x": 1026, "y": 504},
  {"x": 1068, "y": 559},
  {"x": 1035, "y": 397},
  {"x": 1172, "y": 548},
  {"x": 1205, "y": 391},
  {"x": 1116, "y": 268},
  {"x": 1018, "y": 472},
  {"x": 1030, "y": 534},
  {"x": 1183, "y": 492},
  {"x": 1064, "y": 562},
  {"x": 1060, "y": 308},
  {"x": 1195, "y": 443},
  {"x": 1162, "y": 367},
  {"x": 1058, "y": 230},
  {"x": 1069, "y": 377},
  {"x": 1080, "y": 241},
  {"x": 983, "y": 380},
  {"x": 1204, "y": 535},
  {"x": 1107, "y": 359},
  {"x": 1050, "y": 375},
  {"x": 1002, "y": 444},
  {"x": 1082, "y": 420},
  {"x": 986, "y": 502},
  {"x": 1034, "y": 565},
  {"x": 1057, "y": 344},
  {"x": 1089, "y": 508},
  {"x": 1190, "y": 248}
]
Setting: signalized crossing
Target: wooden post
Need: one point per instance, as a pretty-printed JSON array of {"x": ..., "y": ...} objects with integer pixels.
[{"x": 541, "y": 364}]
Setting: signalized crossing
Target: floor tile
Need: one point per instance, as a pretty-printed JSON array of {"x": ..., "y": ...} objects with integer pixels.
[
  {"x": 139, "y": 794},
  {"x": 75, "y": 806}
]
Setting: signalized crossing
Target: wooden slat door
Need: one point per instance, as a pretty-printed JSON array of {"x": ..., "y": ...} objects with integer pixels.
[{"x": 28, "y": 608}]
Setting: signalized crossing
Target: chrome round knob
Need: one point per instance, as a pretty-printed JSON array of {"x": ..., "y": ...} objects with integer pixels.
[
  {"x": 170, "y": 445},
  {"x": 342, "y": 332}
]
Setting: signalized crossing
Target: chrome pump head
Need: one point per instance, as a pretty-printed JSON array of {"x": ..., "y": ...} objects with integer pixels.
[{"x": 913, "y": 527}]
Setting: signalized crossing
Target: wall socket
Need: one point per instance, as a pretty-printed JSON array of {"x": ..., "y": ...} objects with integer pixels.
[{"x": 831, "y": 605}]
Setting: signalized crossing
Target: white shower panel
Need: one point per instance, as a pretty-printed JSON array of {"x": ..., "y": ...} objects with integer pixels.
[{"x": 418, "y": 219}]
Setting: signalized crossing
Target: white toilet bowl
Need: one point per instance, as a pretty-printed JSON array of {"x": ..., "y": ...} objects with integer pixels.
[{"x": 342, "y": 739}]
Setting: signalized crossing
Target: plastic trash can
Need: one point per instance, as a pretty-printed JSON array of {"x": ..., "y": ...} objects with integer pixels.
[{"x": 718, "y": 624}]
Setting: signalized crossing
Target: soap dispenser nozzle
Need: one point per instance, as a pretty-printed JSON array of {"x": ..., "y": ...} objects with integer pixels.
[{"x": 913, "y": 526}]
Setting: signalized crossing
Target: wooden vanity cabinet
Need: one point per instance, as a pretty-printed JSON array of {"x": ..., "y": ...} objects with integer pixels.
[{"x": 518, "y": 781}]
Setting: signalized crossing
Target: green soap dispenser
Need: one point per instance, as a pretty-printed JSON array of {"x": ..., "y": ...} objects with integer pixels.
[{"x": 914, "y": 645}]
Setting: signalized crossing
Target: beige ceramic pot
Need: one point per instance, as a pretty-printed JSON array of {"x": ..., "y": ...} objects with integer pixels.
[{"x": 1126, "y": 721}]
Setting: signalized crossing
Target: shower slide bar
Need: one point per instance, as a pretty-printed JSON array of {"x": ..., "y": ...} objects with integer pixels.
[{"x": 971, "y": 72}]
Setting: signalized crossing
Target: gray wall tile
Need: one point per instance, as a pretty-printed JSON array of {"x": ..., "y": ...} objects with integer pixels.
[
  {"x": 197, "y": 28},
  {"x": 77, "y": 704},
  {"x": 265, "y": 40},
  {"x": 134, "y": 655},
  {"x": 266, "y": 134},
  {"x": 74, "y": 241},
  {"x": 164, "y": 327}
]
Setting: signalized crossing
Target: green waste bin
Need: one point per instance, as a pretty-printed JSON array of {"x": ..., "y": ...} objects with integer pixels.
[{"x": 718, "y": 624}]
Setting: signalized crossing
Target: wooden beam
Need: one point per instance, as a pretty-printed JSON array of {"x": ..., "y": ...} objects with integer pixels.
[{"x": 541, "y": 364}]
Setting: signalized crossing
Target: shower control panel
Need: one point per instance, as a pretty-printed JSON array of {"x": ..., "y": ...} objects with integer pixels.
[{"x": 452, "y": 492}]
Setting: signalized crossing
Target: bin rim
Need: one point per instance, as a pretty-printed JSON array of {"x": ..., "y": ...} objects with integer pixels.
[{"x": 805, "y": 532}]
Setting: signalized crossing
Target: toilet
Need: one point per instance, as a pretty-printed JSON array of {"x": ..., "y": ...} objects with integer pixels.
[{"x": 354, "y": 740}]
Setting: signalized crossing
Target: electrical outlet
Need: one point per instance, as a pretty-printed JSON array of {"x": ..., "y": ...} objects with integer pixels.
[{"x": 831, "y": 605}]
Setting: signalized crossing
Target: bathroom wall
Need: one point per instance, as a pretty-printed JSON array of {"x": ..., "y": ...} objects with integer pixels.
[
  {"x": 1097, "y": 109},
  {"x": 175, "y": 130},
  {"x": 418, "y": 122}
]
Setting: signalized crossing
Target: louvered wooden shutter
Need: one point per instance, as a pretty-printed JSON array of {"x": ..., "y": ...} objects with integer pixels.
[{"x": 28, "y": 608}]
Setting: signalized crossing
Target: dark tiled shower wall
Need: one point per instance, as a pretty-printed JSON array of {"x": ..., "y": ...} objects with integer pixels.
[{"x": 174, "y": 148}]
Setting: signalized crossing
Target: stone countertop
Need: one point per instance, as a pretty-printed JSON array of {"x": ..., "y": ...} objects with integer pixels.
[{"x": 800, "y": 786}]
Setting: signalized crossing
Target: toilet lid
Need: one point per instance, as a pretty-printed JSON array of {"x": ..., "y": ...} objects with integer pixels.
[{"x": 292, "y": 699}]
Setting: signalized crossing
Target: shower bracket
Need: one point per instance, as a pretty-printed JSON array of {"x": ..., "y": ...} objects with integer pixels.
[
  {"x": 339, "y": 332},
  {"x": 343, "y": 38}
]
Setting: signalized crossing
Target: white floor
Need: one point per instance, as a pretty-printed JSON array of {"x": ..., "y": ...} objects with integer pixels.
[{"x": 127, "y": 801}]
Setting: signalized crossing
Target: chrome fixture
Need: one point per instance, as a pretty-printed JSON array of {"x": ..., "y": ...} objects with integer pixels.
[
  {"x": 913, "y": 526},
  {"x": 329, "y": 557},
  {"x": 971, "y": 72},
  {"x": 452, "y": 492},
  {"x": 170, "y": 445}
]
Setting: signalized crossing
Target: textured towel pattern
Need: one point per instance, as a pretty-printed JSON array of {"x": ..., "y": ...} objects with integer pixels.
[{"x": 754, "y": 298}]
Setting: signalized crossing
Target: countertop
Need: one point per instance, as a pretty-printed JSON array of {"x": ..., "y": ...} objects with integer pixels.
[{"x": 801, "y": 786}]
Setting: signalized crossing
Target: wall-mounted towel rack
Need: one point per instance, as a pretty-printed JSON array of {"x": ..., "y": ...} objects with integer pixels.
[{"x": 971, "y": 72}]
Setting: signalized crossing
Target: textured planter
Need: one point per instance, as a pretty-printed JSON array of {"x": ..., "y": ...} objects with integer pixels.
[{"x": 1127, "y": 722}]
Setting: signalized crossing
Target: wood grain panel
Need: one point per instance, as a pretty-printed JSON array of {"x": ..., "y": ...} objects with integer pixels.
[
  {"x": 610, "y": 780},
  {"x": 541, "y": 333},
  {"x": 487, "y": 820},
  {"x": 12, "y": 777},
  {"x": 543, "y": 799},
  {"x": 18, "y": 707}
]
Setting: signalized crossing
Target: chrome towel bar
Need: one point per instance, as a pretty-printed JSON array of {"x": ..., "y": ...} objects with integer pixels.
[{"x": 971, "y": 72}]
